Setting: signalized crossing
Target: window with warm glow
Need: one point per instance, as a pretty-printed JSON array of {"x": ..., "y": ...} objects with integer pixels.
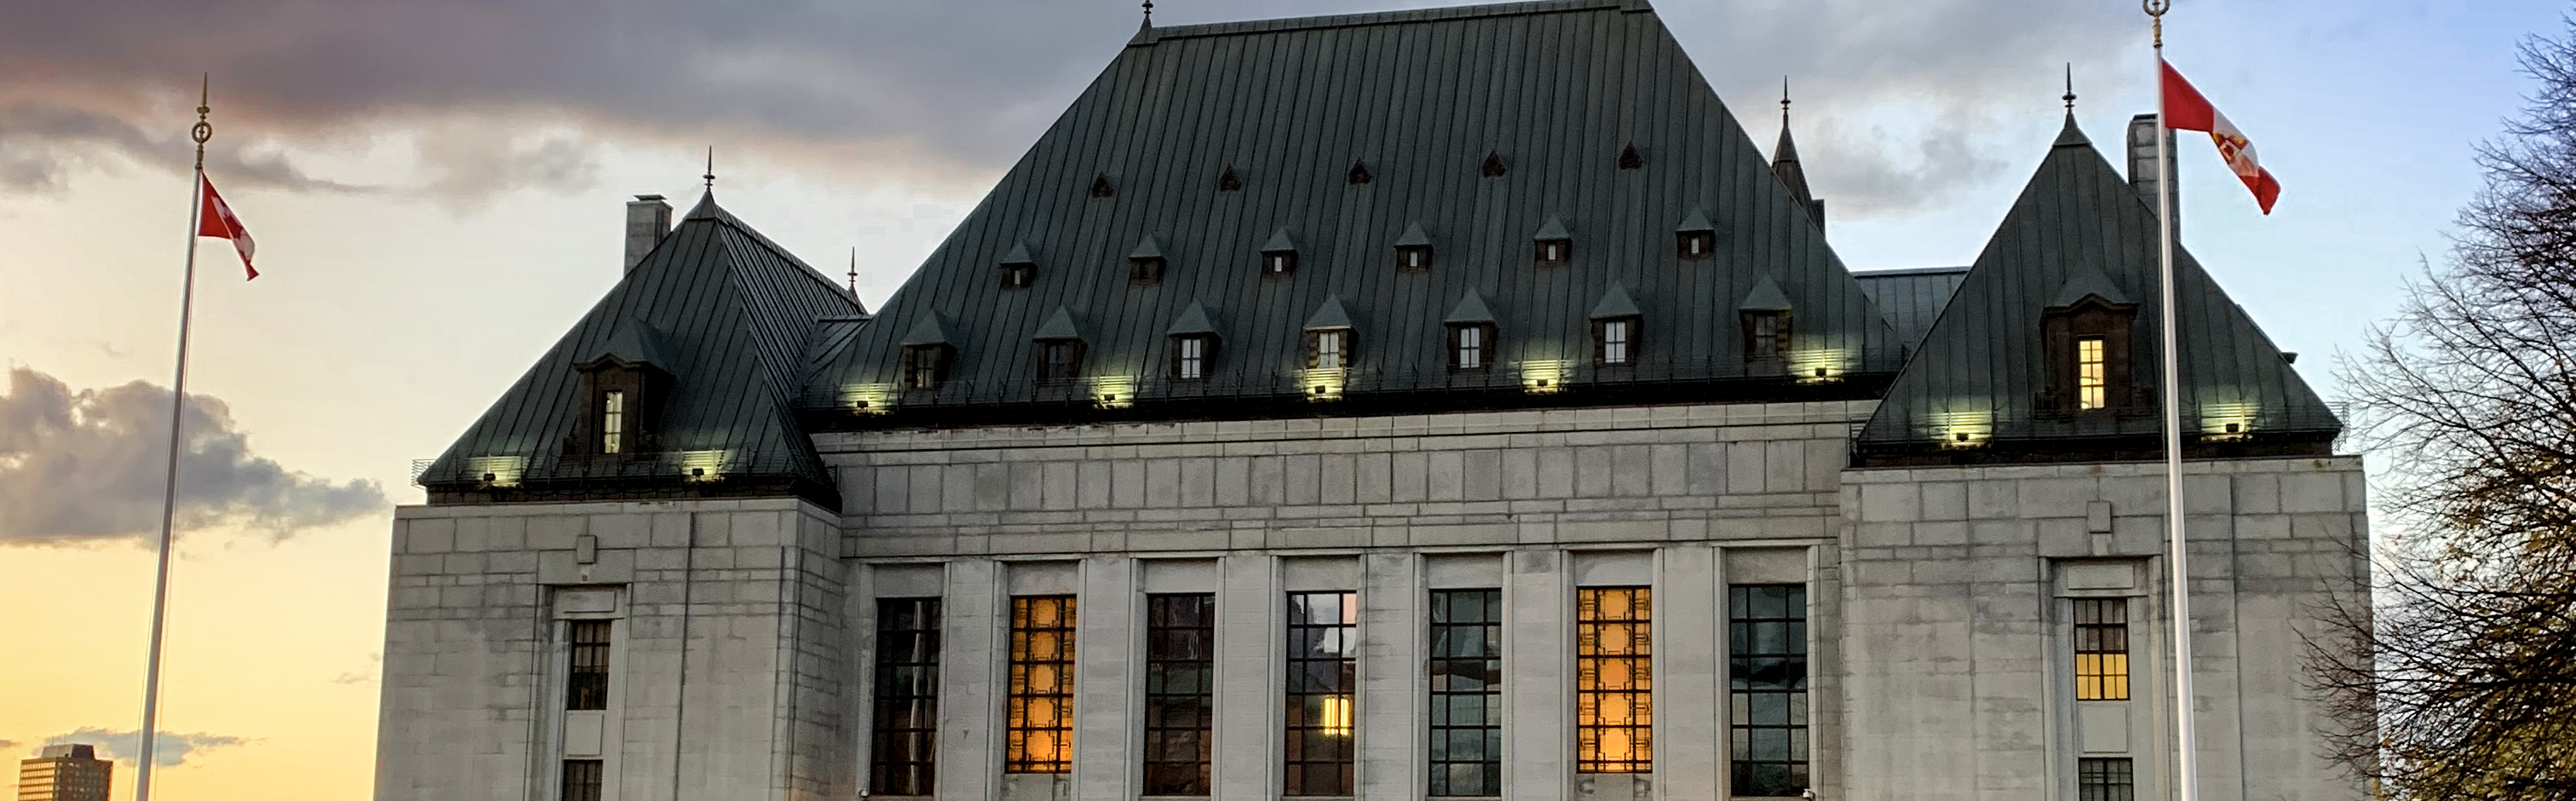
[
  {"x": 1615, "y": 341},
  {"x": 1767, "y": 678},
  {"x": 1180, "y": 692},
  {"x": 2098, "y": 779},
  {"x": 612, "y": 421},
  {"x": 906, "y": 734},
  {"x": 1466, "y": 669},
  {"x": 583, "y": 779},
  {"x": 1614, "y": 680},
  {"x": 586, "y": 684},
  {"x": 1323, "y": 646},
  {"x": 2101, "y": 649},
  {"x": 2090, "y": 375},
  {"x": 1038, "y": 735},
  {"x": 1328, "y": 349}
]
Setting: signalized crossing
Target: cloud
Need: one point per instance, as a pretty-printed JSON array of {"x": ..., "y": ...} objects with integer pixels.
[
  {"x": 375, "y": 666},
  {"x": 171, "y": 749},
  {"x": 88, "y": 465},
  {"x": 8, "y": 744},
  {"x": 947, "y": 91}
]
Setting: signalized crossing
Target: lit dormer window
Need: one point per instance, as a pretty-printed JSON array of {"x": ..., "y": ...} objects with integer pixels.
[
  {"x": 1279, "y": 255},
  {"x": 2086, "y": 334},
  {"x": 1471, "y": 346},
  {"x": 1414, "y": 257},
  {"x": 1059, "y": 360},
  {"x": 1695, "y": 244},
  {"x": 612, "y": 422},
  {"x": 2091, "y": 370},
  {"x": 1553, "y": 245},
  {"x": 1614, "y": 341},
  {"x": 925, "y": 366},
  {"x": 1193, "y": 355},
  {"x": 1328, "y": 349}
]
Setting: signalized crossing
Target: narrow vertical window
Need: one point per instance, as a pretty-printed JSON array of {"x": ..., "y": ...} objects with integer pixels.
[
  {"x": 2101, "y": 649},
  {"x": 583, "y": 779},
  {"x": 1328, "y": 349},
  {"x": 1615, "y": 341},
  {"x": 612, "y": 421},
  {"x": 1190, "y": 356},
  {"x": 1180, "y": 686},
  {"x": 1469, "y": 346},
  {"x": 1466, "y": 668},
  {"x": 1555, "y": 251},
  {"x": 2091, "y": 373},
  {"x": 1413, "y": 257},
  {"x": 1767, "y": 675},
  {"x": 2104, "y": 780},
  {"x": 906, "y": 734},
  {"x": 586, "y": 685},
  {"x": 1323, "y": 668},
  {"x": 1039, "y": 731},
  {"x": 1766, "y": 336},
  {"x": 1695, "y": 244},
  {"x": 1614, "y": 680},
  {"x": 1279, "y": 262}
]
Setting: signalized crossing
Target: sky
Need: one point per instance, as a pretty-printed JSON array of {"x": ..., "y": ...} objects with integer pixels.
[{"x": 437, "y": 192}]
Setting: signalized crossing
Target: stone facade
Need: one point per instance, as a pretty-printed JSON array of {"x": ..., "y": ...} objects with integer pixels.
[{"x": 1936, "y": 632}]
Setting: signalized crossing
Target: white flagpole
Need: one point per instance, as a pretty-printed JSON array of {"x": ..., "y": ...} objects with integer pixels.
[
  {"x": 2186, "y": 739},
  {"x": 170, "y": 487}
]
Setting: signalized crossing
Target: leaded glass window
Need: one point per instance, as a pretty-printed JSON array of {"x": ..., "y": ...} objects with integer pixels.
[
  {"x": 2101, "y": 649},
  {"x": 1614, "y": 680},
  {"x": 586, "y": 685},
  {"x": 1038, "y": 737},
  {"x": 2104, "y": 780},
  {"x": 905, "y": 740}
]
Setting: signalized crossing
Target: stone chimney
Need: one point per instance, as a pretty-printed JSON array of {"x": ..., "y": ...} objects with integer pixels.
[
  {"x": 647, "y": 220},
  {"x": 2142, "y": 165}
]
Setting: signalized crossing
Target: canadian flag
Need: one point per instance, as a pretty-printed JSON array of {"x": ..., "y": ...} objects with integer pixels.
[
  {"x": 216, "y": 220},
  {"x": 2186, "y": 110}
]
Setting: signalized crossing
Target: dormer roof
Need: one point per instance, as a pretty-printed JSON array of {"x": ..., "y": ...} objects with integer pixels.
[{"x": 1470, "y": 309}]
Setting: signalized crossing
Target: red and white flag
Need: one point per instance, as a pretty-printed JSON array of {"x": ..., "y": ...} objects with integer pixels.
[
  {"x": 2186, "y": 110},
  {"x": 216, "y": 220}
]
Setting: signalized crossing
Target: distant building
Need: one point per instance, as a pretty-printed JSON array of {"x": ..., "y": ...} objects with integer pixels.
[
  {"x": 69, "y": 772},
  {"x": 1447, "y": 403}
]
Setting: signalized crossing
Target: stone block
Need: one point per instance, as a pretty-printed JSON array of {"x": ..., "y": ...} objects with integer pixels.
[
  {"x": 2312, "y": 492},
  {"x": 1784, "y": 466},
  {"x": 2256, "y": 493},
  {"x": 1945, "y": 500},
  {"x": 1941, "y": 533},
  {"x": 430, "y": 535},
  {"x": 1880, "y": 535},
  {"x": 1881, "y": 503},
  {"x": 1988, "y": 500},
  {"x": 2055, "y": 497}
]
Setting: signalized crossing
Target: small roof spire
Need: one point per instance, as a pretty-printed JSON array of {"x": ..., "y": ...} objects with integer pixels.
[
  {"x": 854, "y": 271},
  {"x": 2070, "y": 87},
  {"x": 711, "y": 168},
  {"x": 1149, "y": 13},
  {"x": 1784, "y": 101}
]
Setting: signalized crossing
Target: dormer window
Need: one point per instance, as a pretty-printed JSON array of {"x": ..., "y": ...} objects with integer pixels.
[
  {"x": 1279, "y": 262},
  {"x": 1328, "y": 349},
  {"x": 925, "y": 367},
  {"x": 1145, "y": 270},
  {"x": 1193, "y": 356},
  {"x": 1019, "y": 276},
  {"x": 1059, "y": 360},
  {"x": 2091, "y": 370},
  {"x": 1766, "y": 336},
  {"x": 1695, "y": 244},
  {"x": 1413, "y": 257},
  {"x": 1614, "y": 341},
  {"x": 612, "y": 421},
  {"x": 1471, "y": 346},
  {"x": 1554, "y": 252},
  {"x": 2086, "y": 335}
]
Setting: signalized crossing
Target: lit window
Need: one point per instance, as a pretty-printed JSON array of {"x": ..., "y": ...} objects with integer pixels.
[
  {"x": 586, "y": 684},
  {"x": 1323, "y": 645},
  {"x": 925, "y": 366},
  {"x": 1019, "y": 275},
  {"x": 1767, "y": 677},
  {"x": 1059, "y": 360},
  {"x": 1615, "y": 340},
  {"x": 583, "y": 779},
  {"x": 2100, "y": 779},
  {"x": 1469, "y": 346},
  {"x": 2090, "y": 373},
  {"x": 1555, "y": 251},
  {"x": 1413, "y": 257},
  {"x": 1766, "y": 336},
  {"x": 1038, "y": 737},
  {"x": 2101, "y": 649},
  {"x": 907, "y": 697},
  {"x": 1466, "y": 668},
  {"x": 1180, "y": 692},
  {"x": 1191, "y": 354},
  {"x": 1695, "y": 244},
  {"x": 612, "y": 422},
  {"x": 1614, "y": 701},
  {"x": 1278, "y": 262},
  {"x": 1328, "y": 349}
]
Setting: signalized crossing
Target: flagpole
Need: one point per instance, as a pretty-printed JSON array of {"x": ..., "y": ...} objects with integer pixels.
[
  {"x": 2185, "y": 734},
  {"x": 170, "y": 487}
]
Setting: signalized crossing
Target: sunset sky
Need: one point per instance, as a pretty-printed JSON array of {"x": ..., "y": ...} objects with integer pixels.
[{"x": 437, "y": 192}]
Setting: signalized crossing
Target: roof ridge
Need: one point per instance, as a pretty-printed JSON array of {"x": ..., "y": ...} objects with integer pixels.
[
  {"x": 1385, "y": 18},
  {"x": 707, "y": 209}
]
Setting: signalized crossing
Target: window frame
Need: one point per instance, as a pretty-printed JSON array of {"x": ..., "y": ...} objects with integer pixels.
[
  {"x": 1482, "y": 348},
  {"x": 1413, "y": 258},
  {"x": 612, "y": 421},
  {"x": 2106, "y": 779},
  {"x": 1563, "y": 254},
  {"x": 1706, "y": 240},
  {"x": 1774, "y": 347},
  {"x": 1606, "y": 638},
  {"x": 2063, "y": 328},
  {"x": 889, "y": 773},
  {"x": 1481, "y": 659},
  {"x": 1182, "y": 358},
  {"x": 1023, "y": 693},
  {"x": 2100, "y": 630},
  {"x": 583, "y": 780},
  {"x": 914, "y": 370},
  {"x": 590, "y": 645},
  {"x": 1145, "y": 270},
  {"x": 2092, "y": 374},
  {"x": 1180, "y": 636},
  {"x": 1746, "y": 664},
  {"x": 1019, "y": 275},
  {"x": 1278, "y": 263},
  {"x": 1601, "y": 340},
  {"x": 1053, "y": 372},
  {"x": 1300, "y": 766},
  {"x": 1315, "y": 348}
]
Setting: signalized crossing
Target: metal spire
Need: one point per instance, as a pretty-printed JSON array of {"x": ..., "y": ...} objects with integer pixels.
[
  {"x": 711, "y": 168},
  {"x": 1149, "y": 13},
  {"x": 1784, "y": 102},
  {"x": 854, "y": 271},
  {"x": 2070, "y": 87}
]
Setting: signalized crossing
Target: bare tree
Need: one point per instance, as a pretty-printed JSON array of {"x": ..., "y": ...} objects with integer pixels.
[{"x": 2463, "y": 684}]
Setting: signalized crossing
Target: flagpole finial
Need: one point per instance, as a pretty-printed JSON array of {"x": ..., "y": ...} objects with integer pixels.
[
  {"x": 2070, "y": 88},
  {"x": 2156, "y": 11},
  {"x": 711, "y": 168}
]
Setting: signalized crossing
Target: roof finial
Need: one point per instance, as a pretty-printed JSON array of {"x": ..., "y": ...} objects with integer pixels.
[
  {"x": 1149, "y": 13},
  {"x": 1784, "y": 101},
  {"x": 854, "y": 271},
  {"x": 711, "y": 168},
  {"x": 2070, "y": 87}
]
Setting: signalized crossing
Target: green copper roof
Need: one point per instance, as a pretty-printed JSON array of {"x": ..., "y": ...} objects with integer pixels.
[
  {"x": 2078, "y": 229},
  {"x": 1329, "y": 315},
  {"x": 1555, "y": 90},
  {"x": 1766, "y": 296},
  {"x": 728, "y": 315},
  {"x": 1413, "y": 237},
  {"x": 1470, "y": 309},
  {"x": 1616, "y": 303},
  {"x": 1060, "y": 325},
  {"x": 1194, "y": 320},
  {"x": 1148, "y": 249}
]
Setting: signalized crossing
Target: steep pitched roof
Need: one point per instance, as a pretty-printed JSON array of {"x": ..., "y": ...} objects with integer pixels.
[
  {"x": 1556, "y": 89},
  {"x": 2079, "y": 228},
  {"x": 728, "y": 314},
  {"x": 1470, "y": 309},
  {"x": 1912, "y": 298}
]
